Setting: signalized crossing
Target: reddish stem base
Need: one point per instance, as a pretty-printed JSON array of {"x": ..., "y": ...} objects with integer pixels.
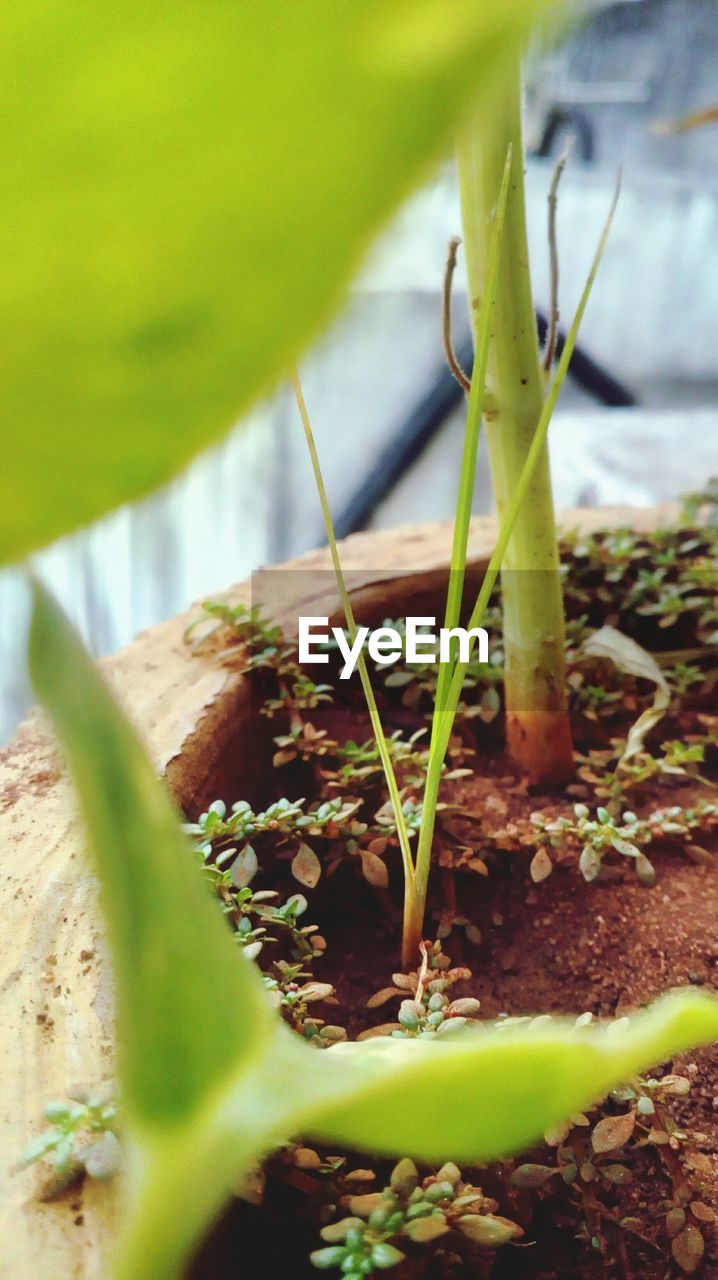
[{"x": 540, "y": 743}]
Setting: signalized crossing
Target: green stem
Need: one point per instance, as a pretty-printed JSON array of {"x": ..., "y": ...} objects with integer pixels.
[
  {"x": 520, "y": 494},
  {"x": 441, "y": 730},
  {"x": 538, "y": 730},
  {"x": 411, "y": 914},
  {"x": 444, "y": 714}
]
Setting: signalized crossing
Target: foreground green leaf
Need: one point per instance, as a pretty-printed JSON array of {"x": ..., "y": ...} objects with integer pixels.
[
  {"x": 176, "y": 970},
  {"x": 212, "y": 1078},
  {"x": 185, "y": 192}
]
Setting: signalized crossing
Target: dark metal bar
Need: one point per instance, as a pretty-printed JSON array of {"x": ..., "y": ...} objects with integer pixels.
[
  {"x": 589, "y": 375},
  {"x": 431, "y": 412}
]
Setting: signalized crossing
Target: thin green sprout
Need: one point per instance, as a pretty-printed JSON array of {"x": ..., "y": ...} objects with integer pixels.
[
  {"x": 394, "y": 793},
  {"x": 461, "y": 531}
]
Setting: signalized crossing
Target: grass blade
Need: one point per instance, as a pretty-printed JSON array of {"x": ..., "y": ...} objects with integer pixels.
[
  {"x": 401, "y": 827},
  {"x": 460, "y": 542}
]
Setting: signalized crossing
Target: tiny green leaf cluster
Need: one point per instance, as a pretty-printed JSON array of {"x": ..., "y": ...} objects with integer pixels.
[
  {"x": 600, "y": 834},
  {"x": 426, "y": 1008},
  {"x": 411, "y": 1212},
  {"x": 82, "y": 1135},
  {"x": 247, "y": 640},
  {"x": 668, "y": 576},
  {"x": 626, "y": 836},
  {"x": 680, "y": 762},
  {"x": 218, "y": 833}
]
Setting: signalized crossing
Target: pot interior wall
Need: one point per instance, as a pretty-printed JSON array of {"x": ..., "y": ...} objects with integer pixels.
[{"x": 230, "y": 752}]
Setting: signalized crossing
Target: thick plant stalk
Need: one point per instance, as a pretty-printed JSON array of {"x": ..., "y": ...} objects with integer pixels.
[{"x": 537, "y": 726}]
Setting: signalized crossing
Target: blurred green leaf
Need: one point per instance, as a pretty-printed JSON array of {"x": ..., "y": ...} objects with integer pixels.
[
  {"x": 177, "y": 969},
  {"x": 489, "y": 1092},
  {"x": 185, "y": 191},
  {"x": 210, "y": 1075}
]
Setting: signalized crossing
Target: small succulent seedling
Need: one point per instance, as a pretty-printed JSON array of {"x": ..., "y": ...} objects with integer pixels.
[
  {"x": 302, "y": 742},
  {"x": 411, "y": 1215},
  {"x": 237, "y": 624},
  {"x": 595, "y": 701},
  {"x": 680, "y": 825},
  {"x": 612, "y": 785},
  {"x": 677, "y": 591},
  {"x": 297, "y": 693},
  {"x": 360, "y": 762},
  {"x": 81, "y": 1138},
  {"x": 595, "y": 1153},
  {"x": 627, "y": 837},
  {"x": 227, "y": 840},
  {"x": 683, "y": 676},
  {"x": 294, "y": 991},
  {"x": 255, "y": 914},
  {"x": 599, "y": 835},
  {"x": 426, "y": 1009},
  {"x": 679, "y": 760},
  {"x": 249, "y": 642},
  {"x": 411, "y": 809}
]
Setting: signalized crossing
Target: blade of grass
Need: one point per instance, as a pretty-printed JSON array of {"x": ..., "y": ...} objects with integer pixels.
[
  {"x": 385, "y": 757},
  {"x": 462, "y": 521},
  {"x": 445, "y": 712}
]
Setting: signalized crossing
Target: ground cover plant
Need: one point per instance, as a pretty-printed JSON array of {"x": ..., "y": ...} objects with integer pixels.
[
  {"x": 493, "y": 838},
  {"x": 221, "y": 1003}
]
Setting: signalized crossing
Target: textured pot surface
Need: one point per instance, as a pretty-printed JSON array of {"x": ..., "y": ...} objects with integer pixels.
[{"x": 55, "y": 983}]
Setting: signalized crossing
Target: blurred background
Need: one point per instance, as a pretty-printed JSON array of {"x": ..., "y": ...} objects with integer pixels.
[{"x": 637, "y": 424}]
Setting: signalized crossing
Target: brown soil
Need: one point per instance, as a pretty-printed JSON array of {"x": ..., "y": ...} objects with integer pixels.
[{"x": 564, "y": 946}]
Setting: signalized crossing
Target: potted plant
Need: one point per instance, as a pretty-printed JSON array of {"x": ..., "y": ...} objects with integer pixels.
[{"x": 212, "y": 1078}]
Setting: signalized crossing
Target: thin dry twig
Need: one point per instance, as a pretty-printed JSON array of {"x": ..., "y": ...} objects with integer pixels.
[
  {"x": 696, "y": 120},
  {"x": 550, "y": 350},
  {"x": 462, "y": 378},
  {"x": 423, "y": 971}
]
